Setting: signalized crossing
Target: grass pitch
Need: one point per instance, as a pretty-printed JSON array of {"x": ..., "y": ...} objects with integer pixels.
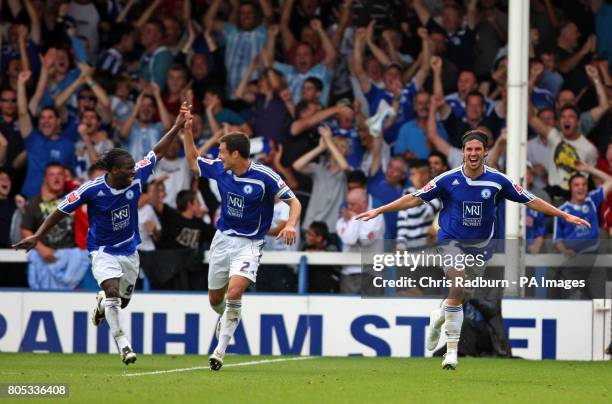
[{"x": 103, "y": 378}]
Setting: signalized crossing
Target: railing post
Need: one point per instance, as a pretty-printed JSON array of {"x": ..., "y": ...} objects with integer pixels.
[{"x": 303, "y": 276}]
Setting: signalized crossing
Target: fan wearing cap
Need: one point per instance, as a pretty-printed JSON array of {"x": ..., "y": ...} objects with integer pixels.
[{"x": 470, "y": 195}]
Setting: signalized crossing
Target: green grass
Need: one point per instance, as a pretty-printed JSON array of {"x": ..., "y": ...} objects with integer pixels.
[{"x": 102, "y": 378}]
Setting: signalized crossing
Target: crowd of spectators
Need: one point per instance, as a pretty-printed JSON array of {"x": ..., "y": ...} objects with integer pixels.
[{"x": 353, "y": 102}]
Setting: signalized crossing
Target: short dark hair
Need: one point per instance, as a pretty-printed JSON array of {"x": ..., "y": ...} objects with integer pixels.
[
  {"x": 569, "y": 106},
  {"x": 476, "y": 93},
  {"x": 572, "y": 178},
  {"x": 52, "y": 109},
  {"x": 158, "y": 24},
  {"x": 237, "y": 141},
  {"x": 440, "y": 155},
  {"x": 356, "y": 176},
  {"x": 316, "y": 82},
  {"x": 302, "y": 106},
  {"x": 113, "y": 158},
  {"x": 54, "y": 164},
  {"x": 419, "y": 163},
  {"x": 475, "y": 134},
  {"x": 183, "y": 198},
  {"x": 320, "y": 229},
  {"x": 97, "y": 165},
  {"x": 118, "y": 32},
  {"x": 82, "y": 113},
  {"x": 216, "y": 90}
]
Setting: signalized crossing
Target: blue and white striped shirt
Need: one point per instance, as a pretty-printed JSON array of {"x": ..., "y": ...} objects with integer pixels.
[{"x": 240, "y": 48}]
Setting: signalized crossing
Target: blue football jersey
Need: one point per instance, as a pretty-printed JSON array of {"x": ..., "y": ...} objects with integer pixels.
[
  {"x": 581, "y": 238},
  {"x": 247, "y": 201},
  {"x": 113, "y": 213},
  {"x": 469, "y": 207}
]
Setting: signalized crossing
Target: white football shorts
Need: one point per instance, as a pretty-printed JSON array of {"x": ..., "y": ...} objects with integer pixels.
[
  {"x": 231, "y": 256},
  {"x": 125, "y": 267}
]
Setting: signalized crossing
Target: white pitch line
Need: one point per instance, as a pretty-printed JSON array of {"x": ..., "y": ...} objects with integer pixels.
[{"x": 159, "y": 372}]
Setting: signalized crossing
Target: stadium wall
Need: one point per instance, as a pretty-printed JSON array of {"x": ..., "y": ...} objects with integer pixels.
[{"x": 271, "y": 324}]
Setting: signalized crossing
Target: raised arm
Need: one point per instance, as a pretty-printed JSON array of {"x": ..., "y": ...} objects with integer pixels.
[
  {"x": 162, "y": 146},
  {"x": 22, "y": 40},
  {"x": 163, "y": 112},
  {"x": 394, "y": 55},
  {"x": 423, "y": 71},
  {"x": 146, "y": 15},
  {"x": 211, "y": 13},
  {"x": 244, "y": 81},
  {"x": 328, "y": 48},
  {"x": 566, "y": 65},
  {"x": 301, "y": 164},
  {"x": 602, "y": 106},
  {"x": 498, "y": 149},
  {"x": 268, "y": 53},
  {"x": 327, "y": 136},
  {"x": 3, "y": 149},
  {"x": 91, "y": 151},
  {"x": 301, "y": 125},
  {"x": 62, "y": 97},
  {"x": 126, "y": 127},
  {"x": 432, "y": 126},
  {"x": 25, "y": 122},
  {"x": 378, "y": 53},
  {"x": 436, "y": 67},
  {"x": 191, "y": 154},
  {"x": 267, "y": 10},
  {"x": 603, "y": 179},
  {"x": 286, "y": 34},
  {"x": 126, "y": 9},
  {"x": 421, "y": 11},
  {"x": 343, "y": 22},
  {"x": 35, "y": 31},
  {"x": 376, "y": 152},
  {"x": 210, "y": 116},
  {"x": 357, "y": 65}
]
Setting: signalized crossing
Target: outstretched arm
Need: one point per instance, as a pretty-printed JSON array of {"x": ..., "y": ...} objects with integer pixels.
[
  {"x": 405, "y": 202},
  {"x": 30, "y": 242},
  {"x": 548, "y": 209}
]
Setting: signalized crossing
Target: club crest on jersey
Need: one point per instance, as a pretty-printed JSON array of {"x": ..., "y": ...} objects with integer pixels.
[
  {"x": 585, "y": 209},
  {"x": 485, "y": 193},
  {"x": 518, "y": 188},
  {"x": 430, "y": 185},
  {"x": 247, "y": 189},
  {"x": 129, "y": 194},
  {"x": 143, "y": 163},
  {"x": 73, "y": 197}
]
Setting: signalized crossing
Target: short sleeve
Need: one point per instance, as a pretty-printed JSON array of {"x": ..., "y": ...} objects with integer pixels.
[
  {"x": 76, "y": 198},
  {"x": 514, "y": 192},
  {"x": 597, "y": 196},
  {"x": 275, "y": 184},
  {"x": 144, "y": 168},
  {"x": 210, "y": 168},
  {"x": 429, "y": 192}
]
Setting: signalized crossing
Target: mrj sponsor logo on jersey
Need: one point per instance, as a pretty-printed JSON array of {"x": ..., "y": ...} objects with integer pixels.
[
  {"x": 120, "y": 217},
  {"x": 235, "y": 204},
  {"x": 472, "y": 213}
]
